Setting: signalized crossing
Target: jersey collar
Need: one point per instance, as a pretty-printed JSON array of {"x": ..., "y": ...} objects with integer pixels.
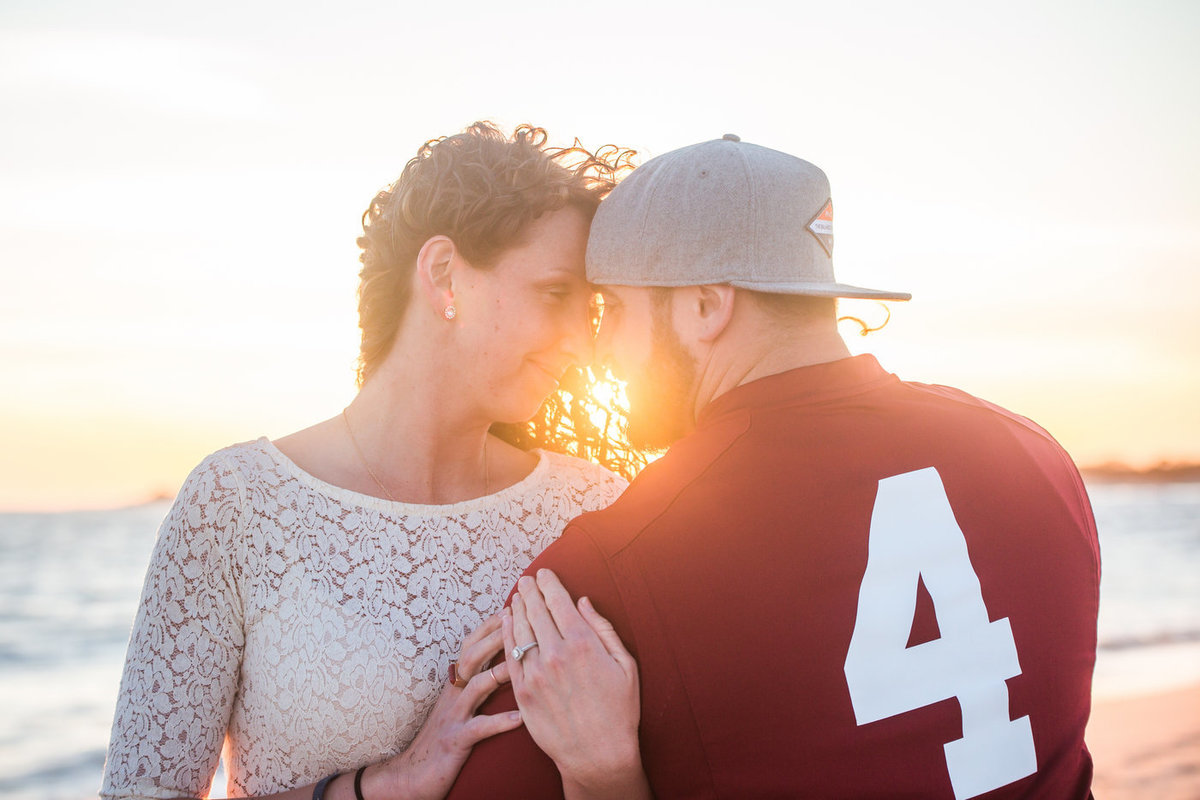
[{"x": 817, "y": 383}]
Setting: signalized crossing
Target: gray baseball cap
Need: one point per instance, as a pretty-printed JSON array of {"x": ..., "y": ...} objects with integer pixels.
[{"x": 724, "y": 211}]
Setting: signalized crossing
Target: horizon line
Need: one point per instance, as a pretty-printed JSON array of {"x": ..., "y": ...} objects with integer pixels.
[{"x": 1162, "y": 472}]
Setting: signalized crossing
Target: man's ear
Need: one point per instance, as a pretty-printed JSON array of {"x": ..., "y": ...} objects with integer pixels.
[
  {"x": 435, "y": 272},
  {"x": 706, "y": 311}
]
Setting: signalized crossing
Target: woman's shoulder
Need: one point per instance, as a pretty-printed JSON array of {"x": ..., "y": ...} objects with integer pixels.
[
  {"x": 229, "y": 474},
  {"x": 209, "y": 509},
  {"x": 581, "y": 474},
  {"x": 245, "y": 460}
]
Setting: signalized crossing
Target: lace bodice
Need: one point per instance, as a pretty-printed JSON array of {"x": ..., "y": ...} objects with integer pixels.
[{"x": 308, "y": 627}]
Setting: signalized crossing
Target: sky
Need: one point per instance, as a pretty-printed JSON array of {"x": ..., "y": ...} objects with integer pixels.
[{"x": 181, "y": 186}]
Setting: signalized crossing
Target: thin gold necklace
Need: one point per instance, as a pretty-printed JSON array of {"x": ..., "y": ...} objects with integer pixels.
[{"x": 487, "y": 483}]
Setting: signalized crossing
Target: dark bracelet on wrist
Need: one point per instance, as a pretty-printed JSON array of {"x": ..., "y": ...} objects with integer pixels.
[
  {"x": 319, "y": 789},
  {"x": 358, "y": 795}
]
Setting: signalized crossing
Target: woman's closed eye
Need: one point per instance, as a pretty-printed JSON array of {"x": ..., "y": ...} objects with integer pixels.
[
  {"x": 555, "y": 290},
  {"x": 561, "y": 294}
]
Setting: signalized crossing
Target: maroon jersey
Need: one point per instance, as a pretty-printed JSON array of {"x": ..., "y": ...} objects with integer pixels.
[{"x": 842, "y": 585}]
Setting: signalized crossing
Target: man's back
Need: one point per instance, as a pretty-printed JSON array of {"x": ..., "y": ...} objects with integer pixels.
[{"x": 841, "y": 585}]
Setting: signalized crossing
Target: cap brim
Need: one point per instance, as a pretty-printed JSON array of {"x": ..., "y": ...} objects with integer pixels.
[{"x": 821, "y": 290}]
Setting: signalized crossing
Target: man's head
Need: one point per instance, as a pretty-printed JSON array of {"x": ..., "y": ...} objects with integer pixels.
[{"x": 713, "y": 258}]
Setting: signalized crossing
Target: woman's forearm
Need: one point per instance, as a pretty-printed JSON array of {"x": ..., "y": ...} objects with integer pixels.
[{"x": 377, "y": 782}]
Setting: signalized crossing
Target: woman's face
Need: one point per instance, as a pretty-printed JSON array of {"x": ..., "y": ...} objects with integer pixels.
[{"x": 525, "y": 320}]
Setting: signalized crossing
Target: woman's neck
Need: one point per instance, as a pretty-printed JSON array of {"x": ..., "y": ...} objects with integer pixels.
[{"x": 413, "y": 433}]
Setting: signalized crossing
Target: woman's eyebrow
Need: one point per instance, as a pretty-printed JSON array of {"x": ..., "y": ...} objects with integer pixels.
[{"x": 558, "y": 273}]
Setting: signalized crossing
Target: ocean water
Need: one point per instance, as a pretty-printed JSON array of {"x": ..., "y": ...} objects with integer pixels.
[{"x": 69, "y": 587}]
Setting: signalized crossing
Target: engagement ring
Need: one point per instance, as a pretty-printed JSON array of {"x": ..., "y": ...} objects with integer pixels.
[{"x": 519, "y": 652}]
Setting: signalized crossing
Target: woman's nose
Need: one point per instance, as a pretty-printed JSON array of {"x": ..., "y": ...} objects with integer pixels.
[{"x": 577, "y": 341}]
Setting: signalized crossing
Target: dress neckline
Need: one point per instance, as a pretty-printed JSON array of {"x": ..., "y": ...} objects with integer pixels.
[{"x": 351, "y": 497}]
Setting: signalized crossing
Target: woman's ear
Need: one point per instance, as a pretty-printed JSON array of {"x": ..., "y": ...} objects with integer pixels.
[{"x": 435, "y": 274}]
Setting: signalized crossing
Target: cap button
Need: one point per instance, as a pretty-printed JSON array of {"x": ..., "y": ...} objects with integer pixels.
[{"x": 731, "y": 137}]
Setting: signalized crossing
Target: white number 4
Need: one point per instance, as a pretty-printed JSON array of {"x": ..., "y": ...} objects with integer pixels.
[{"x": 914, "y": 536}]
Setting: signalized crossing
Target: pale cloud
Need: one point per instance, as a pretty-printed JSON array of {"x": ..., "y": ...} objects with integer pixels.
[{"x": 164, "y": 74}]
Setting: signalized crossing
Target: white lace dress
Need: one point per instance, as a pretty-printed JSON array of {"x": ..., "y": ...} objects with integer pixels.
[{"x": 308, "y": 628}]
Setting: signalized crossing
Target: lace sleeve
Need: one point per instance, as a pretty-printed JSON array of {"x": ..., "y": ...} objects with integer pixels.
[{"x": 181, "y": 669}]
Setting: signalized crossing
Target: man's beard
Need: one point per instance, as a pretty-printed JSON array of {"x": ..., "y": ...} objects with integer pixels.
[{"x": 660, "y": 398}]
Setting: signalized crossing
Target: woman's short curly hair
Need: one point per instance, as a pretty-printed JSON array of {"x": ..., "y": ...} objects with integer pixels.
[{"x": 482, "y": 189}]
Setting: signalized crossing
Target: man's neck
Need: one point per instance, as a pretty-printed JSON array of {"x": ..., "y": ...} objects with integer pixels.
[{"x": 753, "y": 353}]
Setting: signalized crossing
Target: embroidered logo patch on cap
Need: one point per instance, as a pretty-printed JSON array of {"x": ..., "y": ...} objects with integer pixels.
[{"x": 821, "y": 227}]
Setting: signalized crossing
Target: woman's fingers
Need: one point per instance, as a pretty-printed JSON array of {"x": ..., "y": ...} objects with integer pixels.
[
  {"x": 510, "y": 641},
  {"x": 473, "y": 658},
  {"x": 558, "y": 602},
  {"x": 522, "y": 631},
  {"x": 543, "y": 627},
  {"x": 606, "y": 633},
  {"x": 485, "y": 725},
  {"x": 486, "y": 627},
  {"x": 480, "y": 647},
  {"x": 481, "y": 686},
  {"x": 498, "y": 673}
]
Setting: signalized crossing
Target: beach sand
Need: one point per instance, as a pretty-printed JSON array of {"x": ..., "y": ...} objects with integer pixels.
[{"x": 1147, "y": 746}]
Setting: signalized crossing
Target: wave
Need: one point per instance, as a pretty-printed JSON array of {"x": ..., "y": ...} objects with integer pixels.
[
  {"x": 78, "y": 769},
  {"x": 1149, "y": 640}
]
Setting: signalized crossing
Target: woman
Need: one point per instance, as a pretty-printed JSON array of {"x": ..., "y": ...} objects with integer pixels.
[{"x": 306, "y": 595}]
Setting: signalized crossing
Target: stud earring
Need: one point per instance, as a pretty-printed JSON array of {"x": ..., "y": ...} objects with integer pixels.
[{"x": 450, "y": 313}]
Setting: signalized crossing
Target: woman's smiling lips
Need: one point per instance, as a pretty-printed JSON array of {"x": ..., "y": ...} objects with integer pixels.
[{"x": 554, "y": 375}]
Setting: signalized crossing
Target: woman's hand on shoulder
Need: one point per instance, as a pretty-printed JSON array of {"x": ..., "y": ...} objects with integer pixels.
[
  {"x": 577, "y": 689},
  {"x": 428, "y": 767}
]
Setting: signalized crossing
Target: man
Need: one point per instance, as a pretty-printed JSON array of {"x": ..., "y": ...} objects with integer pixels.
[{"x": 835, "y": 583}]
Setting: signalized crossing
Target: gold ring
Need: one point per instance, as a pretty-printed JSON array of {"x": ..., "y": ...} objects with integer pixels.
[{"x": 456, "y": 677}]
